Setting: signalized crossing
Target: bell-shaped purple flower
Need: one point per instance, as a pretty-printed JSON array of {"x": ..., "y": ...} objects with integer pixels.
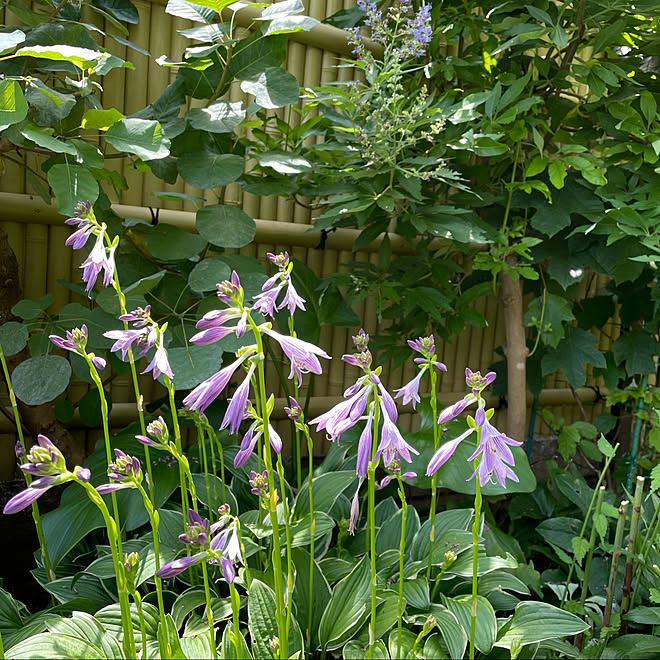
[
  {"x": 364, "y": 447},
  {"x": 445, "y": 452},
  {"x": 410, "y": 392},
  {"x": 160, "y": 364},
  {"x": 238, "y": 403},
  {"x": 392, "y": 443},
  {"x": 99, "y": 259}
]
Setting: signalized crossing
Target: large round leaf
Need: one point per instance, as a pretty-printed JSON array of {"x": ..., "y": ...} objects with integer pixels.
[
  {"x": 40, "y": 379},
  {"x": 274, "y": 87},
  {"x": 205, "y": 275},
  {"x": 225, "y": 226},
  {"x": 72, "y": 184},
  {"x": 205, "y": 169},
  {"x": 218, "y": 117},
  {"x": 193, "y": 364},
  {"x": 142, "y": 137},
  {"x": 13, "y": 337},
  {"x": 171, "y": 243},
  {"x": 13, "y": 106}
]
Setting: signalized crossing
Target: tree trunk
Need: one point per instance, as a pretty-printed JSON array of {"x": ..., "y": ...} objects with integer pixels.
[
  {"x": 35, "y": 419},
  {"x": 516, "y": 351}
]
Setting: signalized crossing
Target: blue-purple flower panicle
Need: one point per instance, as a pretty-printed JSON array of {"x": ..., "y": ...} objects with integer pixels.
[
  {"x": 216, "y": 543},
  {"x": 493, "y": 454},
  {"x": 45, "y": 462}
]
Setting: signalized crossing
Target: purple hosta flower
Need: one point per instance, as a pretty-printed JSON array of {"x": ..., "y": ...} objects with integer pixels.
[
  {"x": 259, "y": 482},
  {"x": 205, "y": 393},
  {"x": 160, "y": 364},
  {"x": 83, "y": 218},
  {"x": 145, "y": 338},
  {"x": 76, "y": 341},
  {"x": 45, "y": 461},
  {"x": 361, "y": 340},
  {"x": 250, "y": 440},
  {"x": 100, "y": 259},
  {"x": 355, "y": 511},
  {"x": 426, "y": 347},
  {"x": 230, "y": 291},
  {"x": 477, "y": 382},
  {"x": 394, "y": 468},
  {"x": 159, "y": 433},
  {"x": 265, "y": 302},
  {"x": 301, "y": 354},
  {"x": 235, "y": 413},
  {"x": 19, "y": 449},
  {"x": 455, "y": 409},
  {"x": 496, "y": 457},
  {"x": 213, "y": 326},
  {"x": 293, "y": 410},
  {"x": 125, "y": 472},
  {"x": 392, "y": 443},
  {"x": 347, "y": 413},
  {"x": 223, "y": 548},
  {"x": 139, "y": 317}
]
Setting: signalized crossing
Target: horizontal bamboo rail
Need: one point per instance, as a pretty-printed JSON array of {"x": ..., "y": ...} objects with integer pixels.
[
  {"x": 123, "y": 414},
  {"x": 18, "y": 207}
]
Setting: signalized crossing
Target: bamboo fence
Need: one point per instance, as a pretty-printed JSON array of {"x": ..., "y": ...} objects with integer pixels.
[{"x": 37, "y": 234}]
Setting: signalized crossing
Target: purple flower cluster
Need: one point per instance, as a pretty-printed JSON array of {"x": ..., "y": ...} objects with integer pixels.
[
  {"x": 426, "y": 347},
  {"x": 216, "y": 543},
  {"x": 266, "y": 302},
  {"x": 493, "y": 450},
  {"x": 45, "y": 461},
  {"x": 366, "y": 393},
  {"x": 145, "y": 334},
  {"x": 159, "y": 434},
  {"x": 100, "y": 258},
  {"x": 125, "y": 472},
  {"x": 76, "y": 341}
]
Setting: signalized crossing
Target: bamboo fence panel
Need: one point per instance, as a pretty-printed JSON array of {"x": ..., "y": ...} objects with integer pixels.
[{"x": 43, "y": 258}]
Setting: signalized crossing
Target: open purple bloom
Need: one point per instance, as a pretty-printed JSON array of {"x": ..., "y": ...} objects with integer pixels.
[
  {"x": 205, "y": 393},
  {"x": 445, "y": 452},
  {"x": 392, "y": 443},
  {"x": 160, "y": 364},
  {"x": 238, "y": 403},
  {"x": 410, "y": 392},
  {"x": 339, "y": 418},
  {"x": 364, "y": 447},
  {"x": 99, "y": 259},
  {"x": 125, "y": 338},
  {"x": 301, "y": 354}
]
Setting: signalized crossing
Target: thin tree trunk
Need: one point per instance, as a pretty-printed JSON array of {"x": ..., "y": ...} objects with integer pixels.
[{"x": 516, "y": 351}]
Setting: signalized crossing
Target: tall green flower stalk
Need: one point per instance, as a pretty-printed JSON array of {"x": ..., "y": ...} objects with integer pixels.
[
  {"x": 402, "y": 550},
  {"x": 20, "y": 450},
  {"x": 492, "y": 461},
  {"x": 428, "y": 361}
]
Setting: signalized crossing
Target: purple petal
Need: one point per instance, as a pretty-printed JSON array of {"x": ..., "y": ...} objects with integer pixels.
[
  {"x": 104, "y": 489},
  {"x": 23, "y": 500},
  {"x": 179, "y": 565},
  {"x": 445, "y": 452}
]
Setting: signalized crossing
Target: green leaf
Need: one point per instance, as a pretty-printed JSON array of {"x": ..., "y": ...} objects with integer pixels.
[
  {"x": 83, "y": 58},
  {"x": 225, "y": 226},
  {"x": 28, "y": 309},
  {"x": 207, "y": 273},
  {"x": 327, "y": 488},
  {"x": 356, "y": 650},
  {"x": 189, "y": 10},
  {"x": 346, "y": 607},
  {"x": 72, "y": 184},
  {"x": 13, "y": 337},
  {"x": 281, "y": 10},
  {"x": 288, "y": 24},
  {"x": 580, "y": 548},
  {"x": 123, "y": 10},
  {"x": 648, "y": 106},
  {"x": 452, "y": 632},
  {"x": 609, "y": 35},
  {"x": 48, "y": 105},
  {"x": 284, "y": 162},
  {"x": 42, "y": 136},
  {"x": 486, "y": 629},
  {"x": 638, "y": 349},
  {"x": 534, "y": 622},
  {"x": 193, "y": 364},
  {"x": 560, "y": 531},
  {"x": 9, "y": 40},
  {"x": 40, "y": 379},
  {"x": 605, "y": 447},
  {"x": 171, "y": 243},
  {"x": 571, "y": 354},
  {"x": 218, "y": 117},
  {"x": 55, "y": 645},
  {"x": 101, "y": 120},
  {"x": 274, "y": 87},
  {"x": 13, "y": 106},
  {"x": 207, "y": 169},
  {"x": 655, "y": 477},
  {"x": 144, "y": 284},
  {"x": 263, "y": 624},
  {"x": 142, "y": 137},
  {"x": 557, "y": 173},
  {"x": 320, "y": 594},
  {"x": 202, "y": 494},
  {"x": 550, "y": 312}
]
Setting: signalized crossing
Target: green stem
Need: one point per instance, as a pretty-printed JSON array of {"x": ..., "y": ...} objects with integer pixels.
[
  {"x": 310, "y": 452},
  {"x": 154, "y": 518},
  {"x": 434, "y": 479},
  {"x": 592, "y": 546},
  {"x": 209, "y": 610},
  {"x": 214, "y": 472},
  {"x": 143, "y": 630},
  {"x": 113, "y": 537},
  {"x": 649, "y": 540},
  {"x": 277, "y": 552},
  {"x": 608, "y": 460},
  {"x": 402, "y": 549},
  {"x": 177, "y": 441},
  {"x": 50, "y": 573},
  {"x": 616, "y": 554},
  {"x": 296, "y": 443},
  {"x": 106, "y": 435},
  {"x": 222, "y": 462},
  {"x": 371, "y": 493},
  {"x": 475, "y": 555},
  {"x": 235, "y": 607},
  {"x": 287, "y": 527},
  {"x": 240, "y": 540},
  {"x": 201, "y": 442},
  {"x": 632, "y": 542}
]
